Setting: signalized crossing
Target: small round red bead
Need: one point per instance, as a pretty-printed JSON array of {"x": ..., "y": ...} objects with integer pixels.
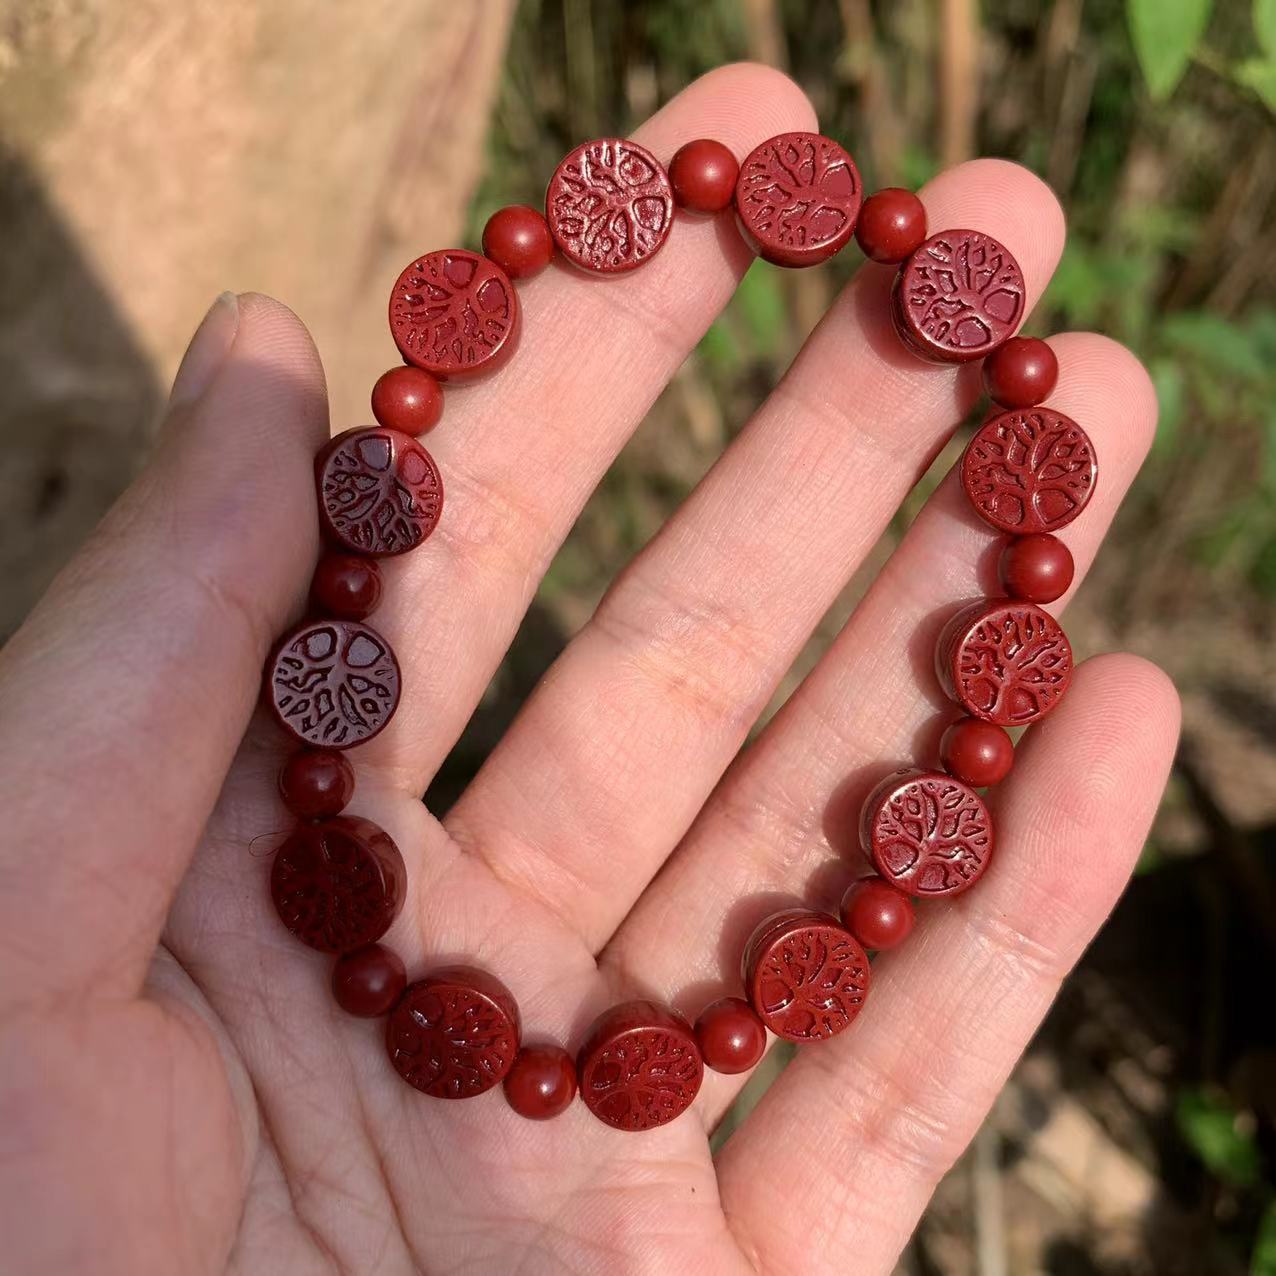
[
  {"x": 316, "y": 783},
  {"x": 542, "y": 1082},
  {"x": 891, "y": 225},
  {"x": 517, "y": 239},
  {"x": 1036, "y": 568},
  {"x": 730, "y": 1035},
  {"x": 976, "y": 753},
  {"x": 368, "y": 981},
  {"x": 407, "y": 399},
  {"x": 703, "y": 175},
  {"x": 346, "y": 586},
  {"x": 1022, "y": 373},
  {"x": 877, "y": 914}
]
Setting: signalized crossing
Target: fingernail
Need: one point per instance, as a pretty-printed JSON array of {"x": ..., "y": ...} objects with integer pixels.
[{"x": 207, "y": 350}]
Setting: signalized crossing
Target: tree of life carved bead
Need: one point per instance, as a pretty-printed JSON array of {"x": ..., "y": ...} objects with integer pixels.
[{"x": 609, "y": 205}]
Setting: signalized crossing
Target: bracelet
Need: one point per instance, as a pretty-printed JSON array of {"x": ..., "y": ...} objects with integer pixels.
[{"x": 332, "y": 681}]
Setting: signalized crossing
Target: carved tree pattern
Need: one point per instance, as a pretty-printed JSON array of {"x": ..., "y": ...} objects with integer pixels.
[
  {"x": 381, "y": 492},
  {"x": 931, "y": 835},
  {"x": 610, "y": 205},
  {"x": 642, "y": 1079},
  {"x": 1030, "y": 471},
  {"x": 1013, "y": 666},
  {"x": 449, "y": 1041},
  {"x": 809, "y": 981},
  {"x": 334, "y": 683}
]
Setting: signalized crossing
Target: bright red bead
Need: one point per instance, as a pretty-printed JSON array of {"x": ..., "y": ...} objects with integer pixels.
[
  {"x": 316, "y": 783},
  {"x": 877, "y": 914},
  {"x": 346, "y": 586},
  {"x": 703, "y": 175},
  {"x": 976, "y": 753},
  {"x": 1022, "y": 373},
  {"x": 1036, "y": 568},
  {"x": 517, "y": 239},
  {"x": 542, "y": 1082},
  {"x": 730, "y": 1035},
  {"x": 368, "y": 981},
  {"x": 891, "y": 225},
  {"x": 407, "y": 399}
]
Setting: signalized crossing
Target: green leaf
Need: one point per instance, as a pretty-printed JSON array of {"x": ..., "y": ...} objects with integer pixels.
[
  {"x": 1259, "y": 75},
  {"x": 1226, "y": 345},
  {"x": 761, "y": 303},
  {"x": 1214, "y": 1131},
  {"x": 1167, "y": 376},
  {"x": 1165, "y": 35},
  {"x": 1262, "y": 1262},
  {"x": 1265, "y": 25}
]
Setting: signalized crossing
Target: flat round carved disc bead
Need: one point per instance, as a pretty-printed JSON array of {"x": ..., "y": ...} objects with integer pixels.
[
  {"x": 609, "y": 205},
  {"x": 455, "y": 1033},
  {"x": 958, "y": 297},
  {"x": 926, "y": 833},
  {"x": 797, "y": 198},
  {"x": 380, "y": 492},
  {"x": 805, "y": 974},
  {"x": 1004, "y": 662},
  {"x": 333, "y": 683},
  {"x": 455, "y": 314},
  {"x": 640, "y": 1066},
  {"x": 338, "y": 884},
  {"x": 1029, "y": 470}
]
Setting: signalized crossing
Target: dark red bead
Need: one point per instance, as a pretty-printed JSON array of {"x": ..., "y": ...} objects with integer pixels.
[
  {"x": 455, "y": 314},
  {"x": 797, "y": 198},
  {"x": 958, "y": 297},
  {"x": 805, "y": 975},
  {"x": 640, "y": 1066},
  {"x": 976, "y": 753},
  {"x": 1022, "y": 373},
  {"x": 542, "y": 1082},
  {"x": 369, "y": 981},
  {"x": 407, "y": 399},
  {"x": 338, "y": 884},
  {"x": 703, "y": 175},
  {"x": 455, "y": 1033},
  {"x": 380, "y": 492},
  {"x": 891, "y": 225},
  {"x": 333, "y": 683},
  {"x": 517, "y": 239},
  {"x": 1036, "y": 568},
  {"x": 609, "y": 206},
  {"x": 877, "y": 914},
  {"x": 316, "y": 783},
  {"x": 346, "y": 586},
  {"x": 926, "y": 833},
  {"x": 730, "y": 1035},
  {"x": 1004, "y": 662}
]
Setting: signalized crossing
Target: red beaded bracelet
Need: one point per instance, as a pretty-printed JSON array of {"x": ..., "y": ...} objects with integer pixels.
[{"x": 339, "y": 881}]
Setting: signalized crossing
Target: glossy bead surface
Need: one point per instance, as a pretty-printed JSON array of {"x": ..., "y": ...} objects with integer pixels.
[
  {"x": 517, "y": 239},
  {"x": 380, "y": 492},
  {"x": 703, "y": 175},
  {"x": 338, "y": 884},
  {"x": 346, "y": 586},
  {"x": 976, "y": 753},
  {"x": 455, "y": 314},
  {"x": 926, "y": 833},
  {"x": 1036, "y": 568},
  {"x": 316, "y": 783},
  {"x": 877, "y": 914},
  {"x": 891, "y": 225},
  {"x": 640, "y": 1066},
  {"x": 958, "y": 297},
  {"x": 609, "y": 206},
  {"x": 541, "y": 1083},
  {"x": 797, "y": 198},
  {"x": 368, "y": 981},
  {"x": 407, "y": 399},
  {"x": 333, "y": 683},
  {"x": 1022, "y": 373},
  {"x": 1004, "y": 662},
  {"x": 805, "y": 975},
  {"x": 455, "y": 1033},
  {"x": 730, "y": 1035}
]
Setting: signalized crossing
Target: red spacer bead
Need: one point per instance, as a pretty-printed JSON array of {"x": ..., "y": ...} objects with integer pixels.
[
  {"x": 1022, "y": 373},
  {"x": 703, "y": 175},
  {"x": 878, "y": 915},
  {"x": 407, "y": 399},
  {"x": 1036, "y": 568},
  {"x": 541, "y": 1083},
  {"x": 891, "y": 225},
  {"x": 976, "y": 753},
  {"x": 346, "y": 586},
  {"x": 730, "y": 1035},
  {"x": 517, "y": 239},
  {"x": 316, "y": 783},
  {"x": 369, "y": 981}
]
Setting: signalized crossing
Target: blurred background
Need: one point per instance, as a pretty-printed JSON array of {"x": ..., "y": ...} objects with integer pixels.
[{"x": 155, "y": 152}]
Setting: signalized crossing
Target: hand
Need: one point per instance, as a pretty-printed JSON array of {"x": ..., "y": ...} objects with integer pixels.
[{"x": 178, "y": 1092}]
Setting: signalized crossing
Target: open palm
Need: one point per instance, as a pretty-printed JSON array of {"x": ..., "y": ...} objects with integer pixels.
[{"x": 178, "y": 1091}]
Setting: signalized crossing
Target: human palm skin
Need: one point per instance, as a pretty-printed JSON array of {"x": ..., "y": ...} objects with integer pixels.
[{"x": 178, "y": 1092}]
